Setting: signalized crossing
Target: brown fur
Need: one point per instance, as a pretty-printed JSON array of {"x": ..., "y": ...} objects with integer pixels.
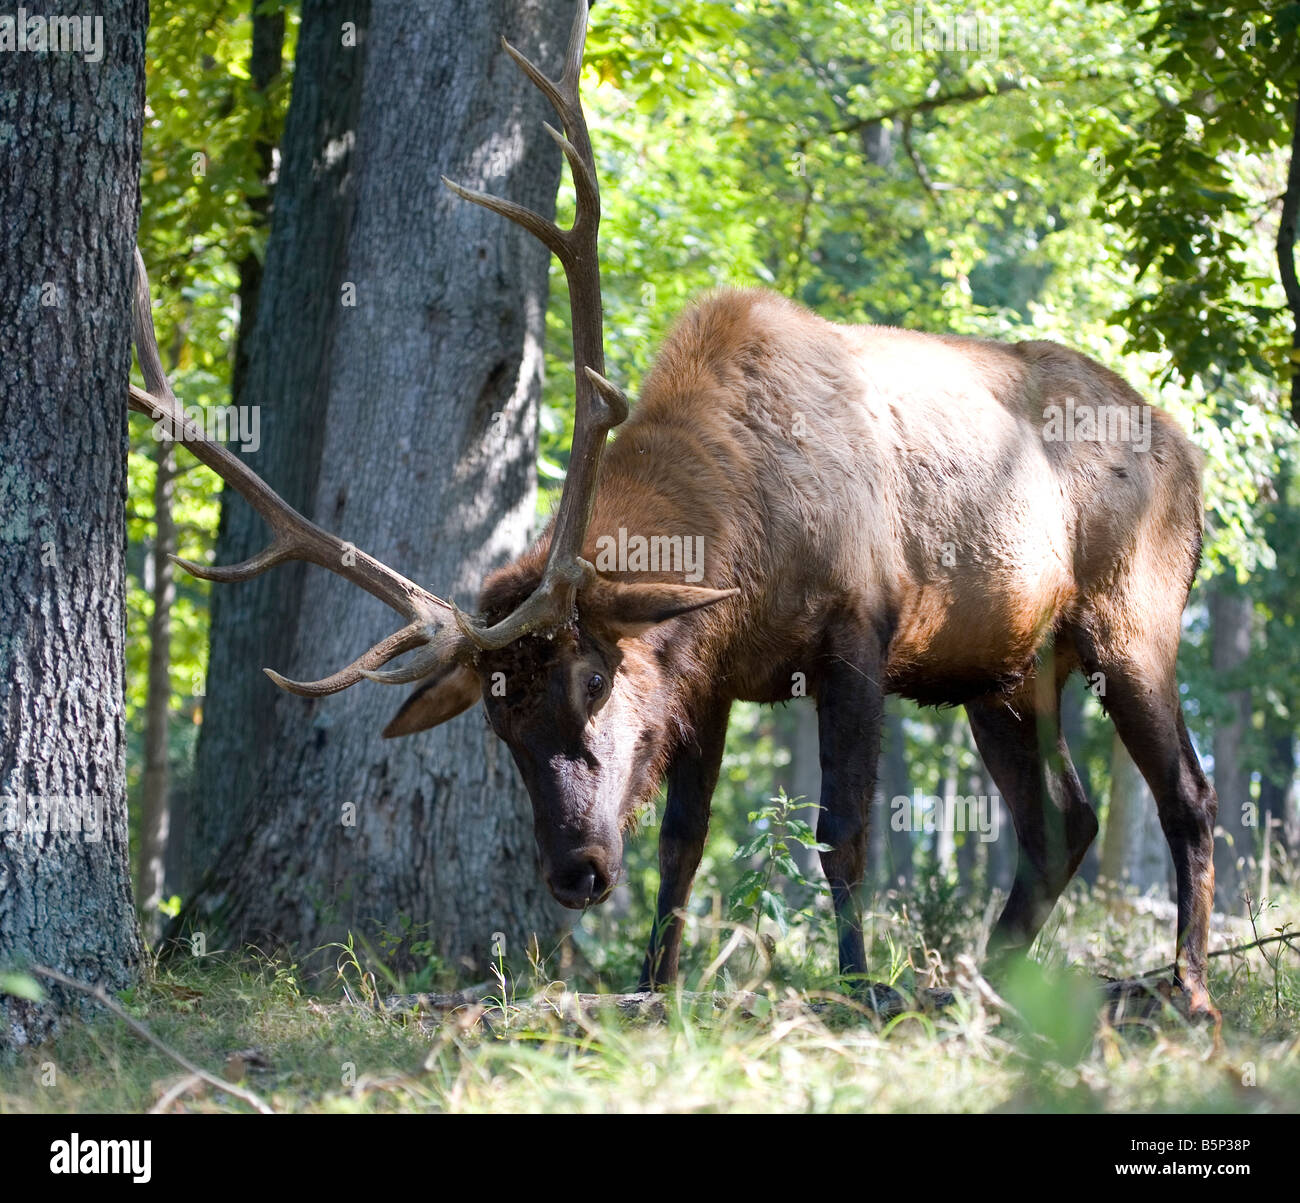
[
  {"x": 883, "y": 499},
  {"x": 912, "y": 441}
]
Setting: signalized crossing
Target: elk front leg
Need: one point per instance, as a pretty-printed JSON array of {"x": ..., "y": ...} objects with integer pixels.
[
  {"x": 692, "y": 776},
  {"x": 850, "y": 705}
]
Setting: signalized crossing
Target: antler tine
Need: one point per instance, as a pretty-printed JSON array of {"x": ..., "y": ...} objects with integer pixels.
[
  {"x": 599, "y": 405},
  {"x": 561, "y": 98},
  {"x": 614, "y": 397},
  {"x": 422, "y": 664},
  {"x": 538, "y": 226},
  {"x": 294, "y": 536},
  {"x": 276, "y": 553},
  {"x": 574, "y": 51},
  {"x": 584, "y": 177},
  {"x": 409, "y": 637}
]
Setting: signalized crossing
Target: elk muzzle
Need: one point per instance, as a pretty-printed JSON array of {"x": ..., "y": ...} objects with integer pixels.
[{"x": 583, "y": 877}]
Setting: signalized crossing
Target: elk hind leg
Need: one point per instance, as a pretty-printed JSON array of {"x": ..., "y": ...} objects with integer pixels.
[
  {"x": 1025, "y": 752},
  {"x": 1141, "y": 697}
]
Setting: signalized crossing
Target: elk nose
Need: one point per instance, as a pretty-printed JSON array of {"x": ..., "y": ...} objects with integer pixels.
[{"x": 579, "y": 882}]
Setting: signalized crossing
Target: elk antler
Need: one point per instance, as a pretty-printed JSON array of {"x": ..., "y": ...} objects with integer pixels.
[
  {"x": 297, "y": 538},
  {"x": 599, "y": 405}
]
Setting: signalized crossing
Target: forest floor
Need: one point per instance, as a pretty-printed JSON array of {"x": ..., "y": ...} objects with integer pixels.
[{"x": 1041, "y": 1041}]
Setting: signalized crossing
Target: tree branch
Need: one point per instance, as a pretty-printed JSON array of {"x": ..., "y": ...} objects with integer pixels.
[
  {"x": 932, "y": 103},
  {"x": 1287, "y": 938},
  {"x": 966, "y": 96},
  {"x": 917, "y": 165}
]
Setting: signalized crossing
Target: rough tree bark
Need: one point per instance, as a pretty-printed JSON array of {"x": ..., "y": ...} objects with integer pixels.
[
  {"x": 155, "y": 784},
  {"x": 69, "y": 192},
  {"x": 1231, "y": 613},
  {"x": 397, "y": 361}
]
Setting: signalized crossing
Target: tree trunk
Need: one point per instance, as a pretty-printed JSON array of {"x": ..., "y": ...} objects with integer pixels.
[
  {"x": 265, "y": 61},
  {"x": 396, "y": 362},
  {"x": 806, "y": 778},
  {"x": 155, "y": 784},
  {"x": 70, "y": 143},
  {"x": 1277, "y": 786},
  {"x": 896, "y": 846},
  {"x": 1073, "y": 727},
  {"x": 945, "y": 838},
  {"x": 1231, "y": 611},
  {"x": 1134, "y": 849}
]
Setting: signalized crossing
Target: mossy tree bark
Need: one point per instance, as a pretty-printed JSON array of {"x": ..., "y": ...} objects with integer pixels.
[
  {"x": 69, "y": 191},
  {"x": 397, "y": 363}
]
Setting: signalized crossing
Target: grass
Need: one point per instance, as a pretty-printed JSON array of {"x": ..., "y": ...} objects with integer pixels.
[{"x": 248, "y": 1017}]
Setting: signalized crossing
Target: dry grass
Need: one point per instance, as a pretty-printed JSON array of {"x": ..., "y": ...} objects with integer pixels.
[{"x": 247, "y": 1018}]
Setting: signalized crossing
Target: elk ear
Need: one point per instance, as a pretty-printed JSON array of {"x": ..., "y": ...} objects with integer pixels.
[
  {"x": 631, "y": 609},
  {"x": 453, "y": 690}
]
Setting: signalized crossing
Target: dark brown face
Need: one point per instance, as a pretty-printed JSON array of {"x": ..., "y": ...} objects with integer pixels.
[
  {"x": 587, "y": 713},
  {"x": 578, "y": 716}
]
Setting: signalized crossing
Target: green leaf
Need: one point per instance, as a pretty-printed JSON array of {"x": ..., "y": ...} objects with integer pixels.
[
  {"x": 786, "y": 865},
  {"x": 21, "y": 985},
  {"x": 773, "y": 906}
]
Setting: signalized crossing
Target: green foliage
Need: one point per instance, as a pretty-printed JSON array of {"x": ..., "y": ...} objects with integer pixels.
[
  {"x": 201, "y": 160},
  {"x": 201, "y": 185},
  {"x": 1191, "y": 177},
  {"x": 1056, "y": 1012},
  {"x": 754, "y": 897},
  {"x": 1107, "y": 176},
  {"x": 21, "y": 985},
  {"x": 1195, "y": 176},
  {"x": 942, "y": 911}
]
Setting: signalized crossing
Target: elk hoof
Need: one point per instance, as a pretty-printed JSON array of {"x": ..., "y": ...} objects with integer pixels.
[
  {"x": 884, "y": 1001},
  {"x": 1194, "y": 1002}
]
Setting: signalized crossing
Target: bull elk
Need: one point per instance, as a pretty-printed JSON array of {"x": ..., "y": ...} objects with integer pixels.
[{"x": 881, "y": 511}]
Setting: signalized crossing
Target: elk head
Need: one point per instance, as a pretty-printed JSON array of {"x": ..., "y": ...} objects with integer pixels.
[
  {"x": 587, "y": 710},
  {"x": 561, "y": 657}
]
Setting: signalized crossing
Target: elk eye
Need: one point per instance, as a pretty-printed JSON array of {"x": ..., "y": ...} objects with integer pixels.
[{"x": 595, "y": 686}]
